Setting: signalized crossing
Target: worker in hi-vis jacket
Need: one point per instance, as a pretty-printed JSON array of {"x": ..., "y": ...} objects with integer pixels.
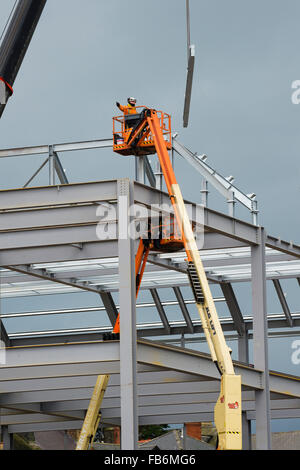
[
  {"x": 131, "y": 117},
  {"x": 130, "y": 108}
]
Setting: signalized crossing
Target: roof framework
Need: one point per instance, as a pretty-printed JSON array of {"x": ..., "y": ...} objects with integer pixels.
[{"x": 63, "y": 238}]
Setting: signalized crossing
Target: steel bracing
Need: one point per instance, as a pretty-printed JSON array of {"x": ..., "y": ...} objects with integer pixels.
[{"x": 65, "y": 238}]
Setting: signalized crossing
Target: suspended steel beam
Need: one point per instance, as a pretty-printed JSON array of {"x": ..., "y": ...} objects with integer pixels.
[
  {"x": 189, "y": 85},
  {"x": 190, "y": 68}
]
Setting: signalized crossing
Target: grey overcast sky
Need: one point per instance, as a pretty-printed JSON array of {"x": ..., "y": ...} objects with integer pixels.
[{"x": 86, "y": 55}]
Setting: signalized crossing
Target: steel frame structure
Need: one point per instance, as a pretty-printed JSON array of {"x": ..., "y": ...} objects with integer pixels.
[{"x": 50, "y": 244}]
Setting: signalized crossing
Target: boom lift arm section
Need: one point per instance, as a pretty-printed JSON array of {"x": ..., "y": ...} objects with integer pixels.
[
  {"x": 140, "y": 264},
  {"x": 16, "y": 41},
  {"x": 92, "y": 417}
]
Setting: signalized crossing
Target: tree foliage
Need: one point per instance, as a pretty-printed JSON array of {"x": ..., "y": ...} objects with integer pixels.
[{"x": 152, "y": 431}]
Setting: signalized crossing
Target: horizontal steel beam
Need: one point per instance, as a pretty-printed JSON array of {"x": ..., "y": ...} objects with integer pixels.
[
  {"x": 59, "y": 214},
  {"x": 149, "y": 383},
  {"x": 277, "y": 414},
  {"x": 144, "y": 420},
  {"x": 193, "y": 362},
  {"x": 79, "y": 359},
  {"x": 67, "y": 147},
  {"x": 27, "y": 418},
  {"x": 46, "y": 361},
  {"x": 154, "y": 329},
  {"x": 213, "y": 221},
  {"x": 219, "y": 223},
  {"x": 65, "y": 387},
  {"x": 68, "y": 215},
  {"x": 55, "y": 253},
  {"x": 58, "y": 195},
  {"x": 111, "y": 409},
  {"x": 279, "y": 384},
  {"x": 44, "y": 274},
  {"x": 289, "y": 248},
  {"x": 34, "y": 427}
]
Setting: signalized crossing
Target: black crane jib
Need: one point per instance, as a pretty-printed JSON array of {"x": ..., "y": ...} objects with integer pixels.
[{"x": 16, "y": 41}]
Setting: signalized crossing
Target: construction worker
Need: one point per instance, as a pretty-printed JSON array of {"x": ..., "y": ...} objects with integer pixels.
[{"x": 130, "y": 108}]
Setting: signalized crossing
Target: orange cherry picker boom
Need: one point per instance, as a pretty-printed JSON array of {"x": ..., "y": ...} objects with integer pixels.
[{"x": 146, "y": 133}]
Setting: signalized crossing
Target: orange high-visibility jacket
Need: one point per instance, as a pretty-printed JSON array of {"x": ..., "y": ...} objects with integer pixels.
[{"x": 128, "y": 109}]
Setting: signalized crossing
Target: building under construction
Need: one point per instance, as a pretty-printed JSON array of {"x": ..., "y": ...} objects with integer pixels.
[{"x": 69, "y": 238}]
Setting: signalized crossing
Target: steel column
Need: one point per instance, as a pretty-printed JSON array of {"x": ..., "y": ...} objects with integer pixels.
[
  {"x": 158, "y": 177},
  {"x": 246, "y": 427},
  {"x": 260, "y": 340},
  {"x": 204, "y": 193},
  {"x": 243, "y": 347},
  {"x": 127, "y": 287},
  {"x": 140, "y": 169},
  {"x": 51, "y": 166},
  {"x": 7, "y": 438},
  {"x": 149, "y": 172}
]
